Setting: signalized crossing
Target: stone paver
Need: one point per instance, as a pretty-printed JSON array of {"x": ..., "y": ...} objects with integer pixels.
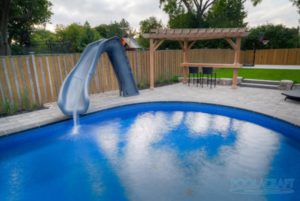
[{"x": 266, "y": 101}]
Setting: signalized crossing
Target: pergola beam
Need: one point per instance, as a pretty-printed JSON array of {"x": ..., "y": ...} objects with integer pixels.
[
  {"x": 191, "y": 44},
  {"x": 231, "y": 43},
  {"x": 157, "y": 43},
  {"x": 196, "y": 34},
  {"x": 181, "y": 44}
]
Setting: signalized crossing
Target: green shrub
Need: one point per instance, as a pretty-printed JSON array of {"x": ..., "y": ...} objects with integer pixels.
[
  {"x": 35, "y": 106},
  {"x": 14, "y": 108},
  {"x": 25, "y": 100},
  {"x": 160, "y": 81},
  {"x": 6, "y": 106},
  {"x": 9, "y": 107},
  {"x": 2, "y": 107},
  {"x": 175, "y": 79},
  {"x": 143, "y": 85}
]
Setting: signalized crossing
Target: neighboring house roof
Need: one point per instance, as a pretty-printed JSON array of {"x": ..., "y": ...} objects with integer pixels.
[{"x": 131, "y": 43}]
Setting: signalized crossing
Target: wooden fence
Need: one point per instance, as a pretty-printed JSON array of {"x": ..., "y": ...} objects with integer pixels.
[
  {"x": 38, "y": 78},
  {"x": 273, "y": 57}
]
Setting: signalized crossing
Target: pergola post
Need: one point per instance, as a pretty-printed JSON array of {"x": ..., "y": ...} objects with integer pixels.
[
  {"x": 237, "y": 52},
  {"x": 152, "y": 63},
  {"x": 185, "y": 50},
  {"x": 154, "y": 44}
]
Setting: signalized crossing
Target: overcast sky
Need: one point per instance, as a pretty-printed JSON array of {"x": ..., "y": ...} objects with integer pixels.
[{"x": 106, "y": 11}]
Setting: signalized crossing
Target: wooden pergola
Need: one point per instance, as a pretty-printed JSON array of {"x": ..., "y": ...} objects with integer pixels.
[{"x": 188, "y": 37}]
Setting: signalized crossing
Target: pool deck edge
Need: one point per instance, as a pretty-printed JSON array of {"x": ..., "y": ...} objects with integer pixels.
[{"x": 264, "y": 101}]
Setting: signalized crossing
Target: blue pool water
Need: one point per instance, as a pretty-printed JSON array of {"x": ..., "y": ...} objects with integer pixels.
[{"x": 155, "y": 152}]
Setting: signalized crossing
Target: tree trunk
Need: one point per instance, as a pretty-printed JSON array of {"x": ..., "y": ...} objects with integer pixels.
[
  {"x": 202, "y": 7},
  {"x": 4, "y": 15}
]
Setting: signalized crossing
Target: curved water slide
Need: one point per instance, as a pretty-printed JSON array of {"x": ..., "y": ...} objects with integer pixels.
[{"x": 73, "y": 95}]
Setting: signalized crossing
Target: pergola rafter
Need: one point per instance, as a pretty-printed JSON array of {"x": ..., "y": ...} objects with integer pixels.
[{"x": 188, "y": 37}]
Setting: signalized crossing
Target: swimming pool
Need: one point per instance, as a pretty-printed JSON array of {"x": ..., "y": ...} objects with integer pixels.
[{"x": 155, "y": 151}]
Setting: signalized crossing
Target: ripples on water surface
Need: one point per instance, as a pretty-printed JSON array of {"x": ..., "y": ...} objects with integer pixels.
[{"x": 150, "y": 153}]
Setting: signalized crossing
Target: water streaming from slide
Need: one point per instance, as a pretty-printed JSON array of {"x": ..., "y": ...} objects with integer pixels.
[
  {"x": 75, "y": 122},
  {"x": 76, "y": 100}
]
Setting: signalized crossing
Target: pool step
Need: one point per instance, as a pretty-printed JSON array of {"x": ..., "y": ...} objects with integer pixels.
[{"x": 265, "y": 84}]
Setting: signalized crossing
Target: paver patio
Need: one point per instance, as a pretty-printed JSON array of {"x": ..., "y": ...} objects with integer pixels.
[{"x": 266, "y": 101}]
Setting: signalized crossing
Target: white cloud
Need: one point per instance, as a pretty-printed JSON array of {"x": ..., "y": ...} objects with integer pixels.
[
  {"x": 105, "y": 11},
  {"x": 272, "y": 11}
]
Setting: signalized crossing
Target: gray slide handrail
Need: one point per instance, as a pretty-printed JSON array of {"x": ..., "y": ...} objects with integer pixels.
[{"x": 73, "y": 95}]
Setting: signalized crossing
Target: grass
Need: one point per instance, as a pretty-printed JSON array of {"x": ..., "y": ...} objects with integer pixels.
[{"x": 262, "y": 74}]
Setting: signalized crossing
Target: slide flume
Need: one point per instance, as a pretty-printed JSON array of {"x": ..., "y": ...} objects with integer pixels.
[{"x": 73, "y": 95}]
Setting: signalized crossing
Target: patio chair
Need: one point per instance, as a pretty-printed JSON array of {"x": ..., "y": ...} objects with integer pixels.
[
  {"x": 210, "y": 74},
  {"x": 293, "y": 94},
  {"x": 193, "y": 75}
]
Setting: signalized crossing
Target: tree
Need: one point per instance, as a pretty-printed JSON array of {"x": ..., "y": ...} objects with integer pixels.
[
  {"x": 296, "y": 3},
  {"x": 224, "y": 14},
  {"x": 150, "y": 23},
  {"x": 227, "y": 14},
  {"x": 145, "y": 27},
  {"x": 72, "y": 34},
  {"x": 199, "y": 8},
  {"x": 77, "y": 35},
  {"x": 120, "y": 29},
  {"x": 40, "y": 39},
  {"x": 40, "y": 35},
  {"x": 18, "y": 18},
  {"x": 278, "y": 36},
  {"x": 89, "y": 34},
  {"x": 125, "y": 27},
  {"x": 4, "y": 12},
  {"x": 184, "y": 20}
]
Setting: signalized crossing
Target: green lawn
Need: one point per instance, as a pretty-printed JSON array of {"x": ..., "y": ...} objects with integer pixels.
[{"x": 263, "y": 74}]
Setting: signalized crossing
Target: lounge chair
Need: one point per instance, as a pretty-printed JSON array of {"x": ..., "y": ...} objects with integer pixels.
[{"x": 294, "y": 94}]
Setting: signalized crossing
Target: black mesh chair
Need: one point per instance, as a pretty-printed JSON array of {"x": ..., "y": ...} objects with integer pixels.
[
  {"x": 193, "y": 75},
  {"x": 211, "y": 76}
]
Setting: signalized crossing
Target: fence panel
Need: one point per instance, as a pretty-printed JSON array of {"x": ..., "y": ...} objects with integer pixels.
[
  {"x": 274, "y": 56},
  {"x": 39, "y": 77}
]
